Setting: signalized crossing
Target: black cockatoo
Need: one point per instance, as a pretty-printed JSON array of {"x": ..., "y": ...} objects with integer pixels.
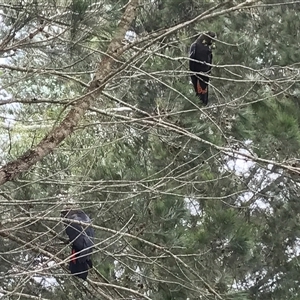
[
  {"x": 82, "y": 239},
  {"x": 201, "y": 50}
]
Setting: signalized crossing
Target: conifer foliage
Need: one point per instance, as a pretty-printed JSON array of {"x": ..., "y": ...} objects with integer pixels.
[{"x": 98, "y": 112}]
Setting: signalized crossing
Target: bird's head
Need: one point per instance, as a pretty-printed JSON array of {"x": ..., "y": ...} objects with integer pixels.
[{"x": 208, "y": 38}]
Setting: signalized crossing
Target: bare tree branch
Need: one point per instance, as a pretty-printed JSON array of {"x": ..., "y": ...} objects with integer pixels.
[
  {"x": 67, "y": 126},
  {"x": 12, "y": 169}
]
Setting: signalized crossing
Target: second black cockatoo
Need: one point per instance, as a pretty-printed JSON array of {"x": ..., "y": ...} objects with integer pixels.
[
  {"x": 82, "y": 239},
  {"x": 201, "y": 60}
]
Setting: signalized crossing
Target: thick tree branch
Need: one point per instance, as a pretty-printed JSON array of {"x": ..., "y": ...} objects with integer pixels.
[{"x": 11, "y": 170}]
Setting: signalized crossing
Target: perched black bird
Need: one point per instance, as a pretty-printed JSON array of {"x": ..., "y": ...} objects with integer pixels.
[
  {"x": 82, "y": 239},
  {"x": 201, "y": 50}
]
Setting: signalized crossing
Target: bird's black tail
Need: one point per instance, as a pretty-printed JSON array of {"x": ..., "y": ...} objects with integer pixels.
[
  {"x": 203, "y": 98},
  {"x": 79, "y": 266}
]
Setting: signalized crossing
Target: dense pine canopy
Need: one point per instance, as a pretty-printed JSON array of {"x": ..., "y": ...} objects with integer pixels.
[{"x": 187, "y": 202}]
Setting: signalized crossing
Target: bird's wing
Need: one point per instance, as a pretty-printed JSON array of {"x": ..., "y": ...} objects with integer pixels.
[
  {"x": 84, "y": 244},
  {"x": 193, "y": 64},
  {"x": 81, "y": 236},
  {"x": 204, "y": 55},
  {"x": 88, "y": 236},
  {"x": 193, "y": 50},
  {"x": 73, "y": 231},
  {"x": 90, "y": 232},
  {"x": 88, "y": 243}
]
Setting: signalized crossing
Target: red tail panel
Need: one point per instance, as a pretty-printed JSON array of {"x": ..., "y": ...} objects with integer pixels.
[
  {"x": 199, "y": 89},
  {"x": 73, "y": 256}
]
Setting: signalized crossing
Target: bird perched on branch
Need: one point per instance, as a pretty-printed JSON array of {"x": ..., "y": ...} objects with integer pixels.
[
  {"x": 200, "y": 61},
  {"x": 82, "y": 239}
]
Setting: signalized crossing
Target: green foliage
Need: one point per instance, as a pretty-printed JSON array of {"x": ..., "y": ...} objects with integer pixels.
[{"x": 173, "y": 215}]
